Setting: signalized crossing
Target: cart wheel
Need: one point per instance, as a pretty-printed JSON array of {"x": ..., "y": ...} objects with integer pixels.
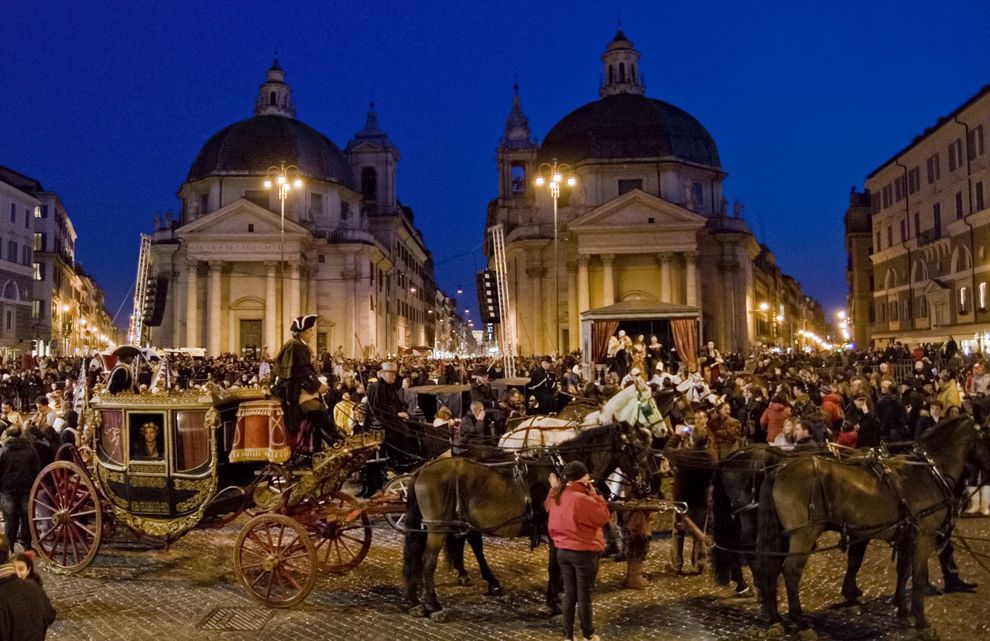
[
  {"x": 342, "y": 539},
  {"x": 65, "y": 516},
  {"x": 398, "y": 486},
  {"x": 269, "y": 492},
  {"x": 275, "y": 560}
]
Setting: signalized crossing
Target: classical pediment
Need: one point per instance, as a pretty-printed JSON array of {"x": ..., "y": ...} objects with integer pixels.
[
  {"x": 239, "y": 217},
  {"x": 634, "y": 211}
]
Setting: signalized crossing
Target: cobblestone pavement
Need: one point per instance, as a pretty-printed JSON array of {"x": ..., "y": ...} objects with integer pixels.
[{"x": 134, "y": 592}]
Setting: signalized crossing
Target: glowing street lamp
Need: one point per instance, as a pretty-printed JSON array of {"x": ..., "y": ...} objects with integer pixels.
[
  {"x": 558, "y": 173},
  {"x": 286, "y": 177}
]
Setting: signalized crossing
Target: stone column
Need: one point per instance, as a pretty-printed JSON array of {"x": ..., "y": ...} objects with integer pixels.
[
  {"x": 215, "y": 307},
  {"x": 691, "y": 276},
  {"x": 294, "y": 287},
  {"x": 539, "y": 333},
  {"x": 573, "y": 317},
  {"x": 271, "y": 309},
  {"x": 312, "y": 304},
  {"x": 664, "y": 259},
  {"x": 608, "y": 281},
  {"x": 582, "y": 285},
  {"x": 192, "y": 302}
]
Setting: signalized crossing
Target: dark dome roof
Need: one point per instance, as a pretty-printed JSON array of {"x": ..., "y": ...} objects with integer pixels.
[
  {"x": 630, "y": 126},
  {"x": 255, "y": 144}
]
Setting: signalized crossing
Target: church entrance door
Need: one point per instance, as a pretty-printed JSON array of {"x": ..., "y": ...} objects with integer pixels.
[{"x": 250, "y": 337}]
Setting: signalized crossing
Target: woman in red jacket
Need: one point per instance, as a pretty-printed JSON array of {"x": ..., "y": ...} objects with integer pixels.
[{"x": 577, "y": 514}]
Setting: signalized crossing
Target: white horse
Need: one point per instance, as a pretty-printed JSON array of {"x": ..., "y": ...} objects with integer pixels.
[{"x": 633, "y": 405}]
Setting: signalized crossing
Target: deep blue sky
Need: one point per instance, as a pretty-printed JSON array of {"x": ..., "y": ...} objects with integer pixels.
[{"x": 108, "y": 103}]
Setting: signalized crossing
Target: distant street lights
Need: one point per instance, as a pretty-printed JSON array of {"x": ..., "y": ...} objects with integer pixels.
[
  {"x": 557, "y": 173},
  {"x": 285, "y": 177}
]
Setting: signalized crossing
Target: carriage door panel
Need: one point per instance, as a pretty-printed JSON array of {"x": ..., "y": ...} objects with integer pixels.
[
  {"x": 191, "y": 481},
  {"x": 110, "y": 449},
  {"x": 146, "y": 469}
]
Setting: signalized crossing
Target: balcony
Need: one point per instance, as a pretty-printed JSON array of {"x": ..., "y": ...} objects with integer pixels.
[{"x": 929, "y": 236}]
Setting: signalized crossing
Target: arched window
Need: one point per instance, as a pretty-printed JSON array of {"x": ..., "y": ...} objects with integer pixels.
[
  {"x": 632, "y": 73},
  {"x": 611, "y": 74},
  {"x": 622, "y": 72},
  {"x": 369, "y": 183},
  {"x": 272, "y": 99}
]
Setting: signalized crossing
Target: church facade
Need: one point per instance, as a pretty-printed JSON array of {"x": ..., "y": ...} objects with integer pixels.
[
  {"x": 645, "y": 226},
  {"x": 236, "y": 271}
]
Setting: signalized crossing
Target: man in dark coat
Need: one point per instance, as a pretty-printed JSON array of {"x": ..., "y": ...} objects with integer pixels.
[
  {"x": 121, "y": 376},
  {"x": 474, "y": 433},
  {"x": 25, "y": 611},
  {"x": 693, "y": 465},
  {"x": 19, "y": 466},
  {"x": 869, "y": 426},
  {"x": 481, "y": 391},
  {"x": 543, "y": 385},
  {"x": 384, "y": 401},
  {"x": 300, "y": 389}
]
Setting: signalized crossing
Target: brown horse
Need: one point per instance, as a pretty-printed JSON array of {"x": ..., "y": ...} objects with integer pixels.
[
  {"x": 460, "y": 495},
  {"x": 908, "y": 500}
]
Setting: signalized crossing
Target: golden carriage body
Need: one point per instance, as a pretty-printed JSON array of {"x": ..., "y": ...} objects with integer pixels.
[{"x": 163, "y": 464}]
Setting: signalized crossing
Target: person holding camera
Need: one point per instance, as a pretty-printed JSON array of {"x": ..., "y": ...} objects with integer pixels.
[{"x": 576, "y": 516}]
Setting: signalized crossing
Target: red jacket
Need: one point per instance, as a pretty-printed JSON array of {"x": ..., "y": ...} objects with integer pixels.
[
  {"x": 773, "y": 420},
  {"x": 847, "y": 439},
  {"x": 576, "y": 523}
]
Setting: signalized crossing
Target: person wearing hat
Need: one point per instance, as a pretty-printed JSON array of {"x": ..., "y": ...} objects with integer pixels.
[
  {"x": 384, "y": 400},
  {"x": 122, "y": 377},
  {"x": 543, "y": 386},
  {"x": 300, "y": 388},
  {"x": 481, "y": 391},
  {"x": 576, "y": 516}
]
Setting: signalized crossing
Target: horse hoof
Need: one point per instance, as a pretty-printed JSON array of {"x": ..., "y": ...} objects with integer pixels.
[
  {"x": 418, "y": 611},
  {"x": 807, "y": 634},
  {"x": 495, "y": 590},
  {"x": 440, "y": 616},
  {"x": 776, "y": 631},
  {"x": 463, "y": 580},
  {"x": 636, "y": 583}
]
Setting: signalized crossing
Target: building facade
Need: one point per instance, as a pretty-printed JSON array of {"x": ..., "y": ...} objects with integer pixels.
[
  {"x": 929, "y": 231},
  {"x": 237, "y": 270},
  {"x": 17, "y": 269},
  {"x": 644, "y": 225}
]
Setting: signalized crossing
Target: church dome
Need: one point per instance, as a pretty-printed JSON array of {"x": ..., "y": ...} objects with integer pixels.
[
  {"x": 252, "y": 146},
  {"x": 630, "y": 125}
]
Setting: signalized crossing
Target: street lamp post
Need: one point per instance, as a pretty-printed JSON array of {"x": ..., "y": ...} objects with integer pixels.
[
  {"x": 558, "y": 173},
  {"x": 285, "y": 177}
]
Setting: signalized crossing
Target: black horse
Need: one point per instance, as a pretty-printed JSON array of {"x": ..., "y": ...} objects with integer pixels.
[
  {"x": 909, "y": 500},
  {"x": 461, "y": 495}
]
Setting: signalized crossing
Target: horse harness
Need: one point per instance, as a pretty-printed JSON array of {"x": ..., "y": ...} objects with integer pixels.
[{"x": 909, "y": 519}]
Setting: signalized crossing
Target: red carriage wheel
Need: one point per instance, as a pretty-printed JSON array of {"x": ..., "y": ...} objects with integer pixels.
[
  {"x": 65, "y": 516},
  {"x": 269, "y": 492},
  {"x": 275, "y": 560},
  {"x": 397, "y": 487},
  {"x": 343, "y": 533}
]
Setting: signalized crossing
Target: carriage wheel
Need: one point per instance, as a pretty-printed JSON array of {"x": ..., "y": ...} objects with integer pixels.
[
  {"x": 65, "y": 516},
  {"x": 269, "y": 492},
  {"x": 398, "y": 486},
  {"x": 275, "y": 559},
  {"x": 342, "y": 539}
]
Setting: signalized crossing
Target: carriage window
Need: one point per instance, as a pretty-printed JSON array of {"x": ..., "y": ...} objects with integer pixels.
[
  {"x": 192, "y": 442},
  {"x": 147, "y": 436},
  {"x": 111, "y": 436}
]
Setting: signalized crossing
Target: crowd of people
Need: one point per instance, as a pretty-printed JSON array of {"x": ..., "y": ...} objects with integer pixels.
[{"x": 791, "y": 400}]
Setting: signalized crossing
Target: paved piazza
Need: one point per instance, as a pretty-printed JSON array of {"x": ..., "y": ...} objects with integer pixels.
[{"x": 189, "y": 592}]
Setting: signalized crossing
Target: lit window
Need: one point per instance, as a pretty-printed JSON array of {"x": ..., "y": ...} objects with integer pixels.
[
  {"x": 963, "y": 300},
  {"x": 983, "y": 296}
]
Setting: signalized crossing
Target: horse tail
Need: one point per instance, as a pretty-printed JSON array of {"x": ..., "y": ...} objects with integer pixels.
[
  {"x": 453, "y": 551},
  {"x": 770, "y": 539},
  {"x": 726, "y": 530},
  {"x": 414, "y": 546}
]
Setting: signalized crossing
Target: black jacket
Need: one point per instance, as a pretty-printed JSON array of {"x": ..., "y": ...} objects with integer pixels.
[
  {"x": 25, "y": 610},
  {"x": 19, "y": 466},
  {"x": 472, "y": 433},
  {"x": 693, "y": 468}
]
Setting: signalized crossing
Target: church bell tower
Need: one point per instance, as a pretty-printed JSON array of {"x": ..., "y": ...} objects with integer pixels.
[
  {"x": 516, "y": 154},
  {"x": 621, "y": 73},
  {"x": 275, "y": 97}
]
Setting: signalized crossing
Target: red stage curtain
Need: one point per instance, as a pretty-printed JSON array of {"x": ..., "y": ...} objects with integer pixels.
[
  {"x": 686, "y": 340},
  {"x": 601, "y": 331}
]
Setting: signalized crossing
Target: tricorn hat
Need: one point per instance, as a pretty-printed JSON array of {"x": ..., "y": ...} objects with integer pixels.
[{"x": 302, "y": 323}]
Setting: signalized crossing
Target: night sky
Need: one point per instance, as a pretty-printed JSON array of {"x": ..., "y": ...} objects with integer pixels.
[{"x": 108, "y": 103}]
